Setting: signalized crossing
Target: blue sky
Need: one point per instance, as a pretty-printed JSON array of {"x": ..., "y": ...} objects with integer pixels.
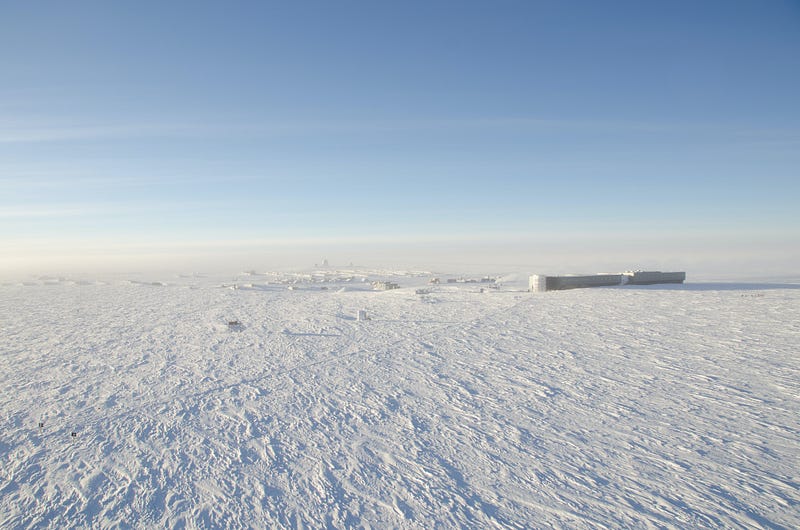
[{"x": 664, "y": 133}]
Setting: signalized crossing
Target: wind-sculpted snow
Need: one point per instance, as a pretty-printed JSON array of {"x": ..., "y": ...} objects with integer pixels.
[{"x": 606, "y": 408}]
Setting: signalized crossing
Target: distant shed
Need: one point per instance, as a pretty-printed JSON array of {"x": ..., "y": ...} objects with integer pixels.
[{"x": 384, "y": 286}]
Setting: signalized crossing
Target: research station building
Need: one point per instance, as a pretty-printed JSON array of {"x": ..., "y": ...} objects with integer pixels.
[{"x": 539, "y": 282}]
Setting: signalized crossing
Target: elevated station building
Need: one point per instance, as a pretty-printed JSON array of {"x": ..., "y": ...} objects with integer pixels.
[{"x": 539, "y": 282}]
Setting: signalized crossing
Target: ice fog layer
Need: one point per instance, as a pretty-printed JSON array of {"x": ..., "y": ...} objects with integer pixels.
[{"x": 621, "y": 407}]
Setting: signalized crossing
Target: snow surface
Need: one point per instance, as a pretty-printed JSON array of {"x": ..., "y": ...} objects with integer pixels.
[{"x": 629, "y": 407}]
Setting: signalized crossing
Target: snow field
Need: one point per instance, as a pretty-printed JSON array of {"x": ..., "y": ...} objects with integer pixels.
[{"x": 623, "y": 408}]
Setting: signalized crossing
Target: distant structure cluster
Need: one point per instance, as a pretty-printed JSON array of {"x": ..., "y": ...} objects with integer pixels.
[
  {"x": 485, "y": 279},
  {"x": 538, "y": 282}
]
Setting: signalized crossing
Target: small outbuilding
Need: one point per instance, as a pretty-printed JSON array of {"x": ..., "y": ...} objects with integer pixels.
[{"x": 384, "y": 286}]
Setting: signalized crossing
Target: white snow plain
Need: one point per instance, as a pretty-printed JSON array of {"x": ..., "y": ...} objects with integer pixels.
[{"x": 628, "y": 407}]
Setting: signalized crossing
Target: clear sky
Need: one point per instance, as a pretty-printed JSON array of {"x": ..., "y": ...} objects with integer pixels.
[{"x": 544, "y": 134}]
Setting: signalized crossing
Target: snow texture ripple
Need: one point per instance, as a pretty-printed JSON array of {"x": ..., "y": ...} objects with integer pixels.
[{"x": 183, "y": 403}]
